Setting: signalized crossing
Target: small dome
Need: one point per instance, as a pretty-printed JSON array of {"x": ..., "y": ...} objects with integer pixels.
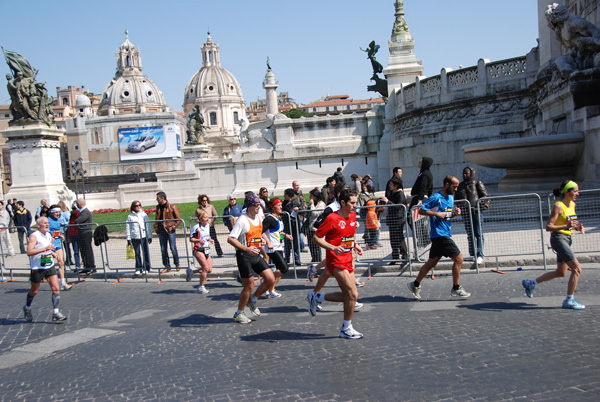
[{"x": 82, "y": 100}]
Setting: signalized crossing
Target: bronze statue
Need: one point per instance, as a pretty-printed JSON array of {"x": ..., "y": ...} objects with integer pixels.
[
  {"x": 380, "y": 84},
  {"x": 195, "y": 127},
  {"x": 29, "y": 99}
]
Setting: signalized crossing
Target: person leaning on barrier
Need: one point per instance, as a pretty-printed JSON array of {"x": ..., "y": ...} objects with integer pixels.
[
  {"x": 84, "y": 226},
  {"x": 472, "y": 190},
  {"x": 291, "y": 205},
  {"x": 396, "y": 220},
  {"x": 561, "y": 223},
  {"x": 73, "y": 237},
  {"x": 139, "y": 236},
  {"x": 169, "y": 220},
  {"x": 205, "y": 205},
  {"x": 23, "y": 223},
  {"x": 233, "y": 211},
  {"x": 316, "y": 207},
  {"x": 4, "y": 224},
  {"x": 440, "y": 209},
  {"x": 41, "y": 251}
]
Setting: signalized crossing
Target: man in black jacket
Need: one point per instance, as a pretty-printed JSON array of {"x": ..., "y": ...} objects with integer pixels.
[
  {"x": 23, "y": 223},
  {"x": 84, "y": 222},
  {"x": 396, "y": 220},
  {"x": 472, "y": 190},
  {"x": 421, "y": 190},
  {"x": 397, "y": 172}
]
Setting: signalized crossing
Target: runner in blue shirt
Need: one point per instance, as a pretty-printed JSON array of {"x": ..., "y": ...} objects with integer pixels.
[{"x": 440, "y": 209}]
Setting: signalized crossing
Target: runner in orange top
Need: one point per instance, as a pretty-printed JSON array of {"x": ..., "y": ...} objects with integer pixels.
[{"x": 246, "y": 237}]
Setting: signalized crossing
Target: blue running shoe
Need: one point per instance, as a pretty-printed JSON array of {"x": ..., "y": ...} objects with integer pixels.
[
  {"x": 529, "y": 287},
  {"x": 573, "y": 305}
]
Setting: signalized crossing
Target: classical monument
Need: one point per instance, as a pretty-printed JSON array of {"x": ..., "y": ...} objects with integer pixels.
[
  {"x": 529, "y": 122},
  {"x": 32, "y": 137}
]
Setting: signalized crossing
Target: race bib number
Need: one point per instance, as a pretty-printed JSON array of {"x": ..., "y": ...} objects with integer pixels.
[
  {"x": 255, "y": 242},
  {"x": 56, "y": 234},
  {"x": 347, "y": 243},
  {"x": 46, "y": 260}
]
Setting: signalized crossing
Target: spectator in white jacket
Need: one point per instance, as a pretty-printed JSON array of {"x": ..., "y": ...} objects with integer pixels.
[
  {"x": 7, "y": 247},
  {"x": 139, "y": 235}
]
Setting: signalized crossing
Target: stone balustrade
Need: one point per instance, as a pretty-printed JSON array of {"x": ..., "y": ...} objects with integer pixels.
[{"x": 486, "y": 78}]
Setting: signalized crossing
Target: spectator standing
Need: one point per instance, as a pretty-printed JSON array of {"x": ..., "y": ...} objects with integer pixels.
[
  {"x": 4, "y": 224},
  {"x": 73, "y": 237},
  {"x": 356, "y": 185},
  {"x": 38, "y": 211},
  {"x": 56, "y": 223},
  {"x": 369, "y": 180},
  {"x": 328, "y": 190},
  {"x": 205, "y": 205},
  {"x": 300, "y": 216},
  {"x": 396, "y": 220},
  {"x": 396, "y": 172},
  {"x": 472, "y": 190},
  {"x": 339, "y": 176},
  {"x": 316, "y": 207},
  {"x": 23, "y": 223},
  {"x": 422, "y": 189},
  {"x": 263, "y": 195},
  {"x": 169, "y": 220},
  {"x": 65, "y": 217},
  {"x": 291, "y": 205},
  {"x": 11, "y": 208},
  {"x": 139, "y": 236},
  {"x": 84, "y": 227},
  {"x": 234, "y": 210},
  {"x": 371, "y": 226}
]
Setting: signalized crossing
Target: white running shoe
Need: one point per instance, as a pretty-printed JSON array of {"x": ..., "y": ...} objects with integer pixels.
[
  {"x": 202, "y": 290},
  {"x": 312, "y": 303},
  {"x": 358, "y": 306},
  {"x": 66, "y": 286},
  {"x": 242, "y": 318},
  {"x": 460, "y": 292},
  {"x": 272, "y": 294},
  {"x": 573, "y": 305},
  {"x": 350, "y": 333},
  {"x": 416, "y": 291},
  {"x": 479, "y": 260}
]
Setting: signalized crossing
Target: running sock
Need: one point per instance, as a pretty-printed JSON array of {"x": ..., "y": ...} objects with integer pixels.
[
  {"x": 54, "y": 311},
  {"x": 569, "y": 297},
  {"x": 320, "y": 297},
  {"x": 63, "y": 281},
  {"x": 347, "y": 324},
  {"x": 272, "y": 289},
  {"x": 417, "y": 284},
  {"x": 239, "y": 312},
  {"x": 455, "y": 287},
  {"x": 29, "y": 300},
  {"x": 55, "y": 301},
  {"x": 253, "y": 298},
  {"x": 534, "y": 282}
]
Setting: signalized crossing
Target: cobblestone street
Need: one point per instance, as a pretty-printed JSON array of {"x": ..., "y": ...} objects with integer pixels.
[{"x": 142, "y": 341}]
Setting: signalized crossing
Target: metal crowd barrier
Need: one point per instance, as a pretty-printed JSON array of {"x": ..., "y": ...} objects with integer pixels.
[
  {"x": 512, "y": 225},
  {"x": 18, "y": 262},
  {"x": 103, "y": 254}
]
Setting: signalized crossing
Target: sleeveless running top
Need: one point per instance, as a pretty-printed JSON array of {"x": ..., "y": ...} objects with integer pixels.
[
  {"x": 275, "y": 235},
  {"x": 42, "y": 260},
  {"x": 254, "y": 234},
  {"x": 567, "y": 214}
]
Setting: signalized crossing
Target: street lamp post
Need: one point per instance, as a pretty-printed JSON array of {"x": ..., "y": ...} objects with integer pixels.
[{"x": 78, "y": 170}]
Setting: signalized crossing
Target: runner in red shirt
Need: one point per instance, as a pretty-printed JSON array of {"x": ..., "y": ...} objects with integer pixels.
[{"x": 336, "y": 236}]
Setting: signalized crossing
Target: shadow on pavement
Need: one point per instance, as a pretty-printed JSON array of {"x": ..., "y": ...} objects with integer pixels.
[
  {"x": 499, "y": 306},
  {"x": 274, "y": 336},
  {"x": 197, "y": 320}
]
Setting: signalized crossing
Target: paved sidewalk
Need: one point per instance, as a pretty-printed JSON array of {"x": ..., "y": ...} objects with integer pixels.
[{"x": 139, "y": 340}]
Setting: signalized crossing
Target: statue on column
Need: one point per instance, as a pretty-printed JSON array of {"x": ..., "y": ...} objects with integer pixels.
[
  {"x": 380, "y": 83},
  {"x": 195, "y": 127},
  {"x": 29, "y": 99}
]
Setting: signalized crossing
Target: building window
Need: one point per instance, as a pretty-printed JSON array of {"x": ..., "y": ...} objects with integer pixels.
[
  {"x": 97, "y": 138},
  {"x": 7, "y": 115},
  {"x": 213, "y": 118},
  {"x": 236, "y": 118},
  {"x": 314, "y": 109},
  {"x": 65, "y": 101},
  {"x": 335, "y": 108},
  {"x": 348, "y": 107},
  {"x": 327, "y": 109},
  {"x": 369, "y": 105}
]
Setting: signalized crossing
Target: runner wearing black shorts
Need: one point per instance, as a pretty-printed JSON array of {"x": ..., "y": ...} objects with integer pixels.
[
  {"x": 246, "y": 237},
  {"x": 440, "y": 209}
]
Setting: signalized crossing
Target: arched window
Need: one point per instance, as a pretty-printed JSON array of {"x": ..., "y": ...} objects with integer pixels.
[
  {"x": 127, "y": 62},
  {"x": 65, "y": 101},
  {"x": 236, "y": 118},
  {"x": 213, "y": 118}
]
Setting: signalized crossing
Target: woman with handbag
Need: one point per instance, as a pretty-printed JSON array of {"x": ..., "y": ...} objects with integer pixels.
[{"x": 139, "y": 235}]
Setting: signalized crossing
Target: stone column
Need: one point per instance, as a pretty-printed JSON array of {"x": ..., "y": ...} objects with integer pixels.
[{"x": 35, "y": 163}]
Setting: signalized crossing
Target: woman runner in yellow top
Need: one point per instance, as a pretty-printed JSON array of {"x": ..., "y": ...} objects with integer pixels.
[{"x": 561, "y": 223}]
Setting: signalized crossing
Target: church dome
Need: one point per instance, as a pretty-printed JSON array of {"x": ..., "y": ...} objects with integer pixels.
[
  {"x": 212, "y": 81},
  {"x": 82, "y": 101},
  {"x": 130, "y": 91}
]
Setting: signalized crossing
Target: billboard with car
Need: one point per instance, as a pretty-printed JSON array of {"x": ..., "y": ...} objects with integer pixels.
[{"x": 149, "y": 142}]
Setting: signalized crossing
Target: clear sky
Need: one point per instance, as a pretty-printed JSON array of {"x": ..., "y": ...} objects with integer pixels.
[{"x": 313, "y": 46}]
